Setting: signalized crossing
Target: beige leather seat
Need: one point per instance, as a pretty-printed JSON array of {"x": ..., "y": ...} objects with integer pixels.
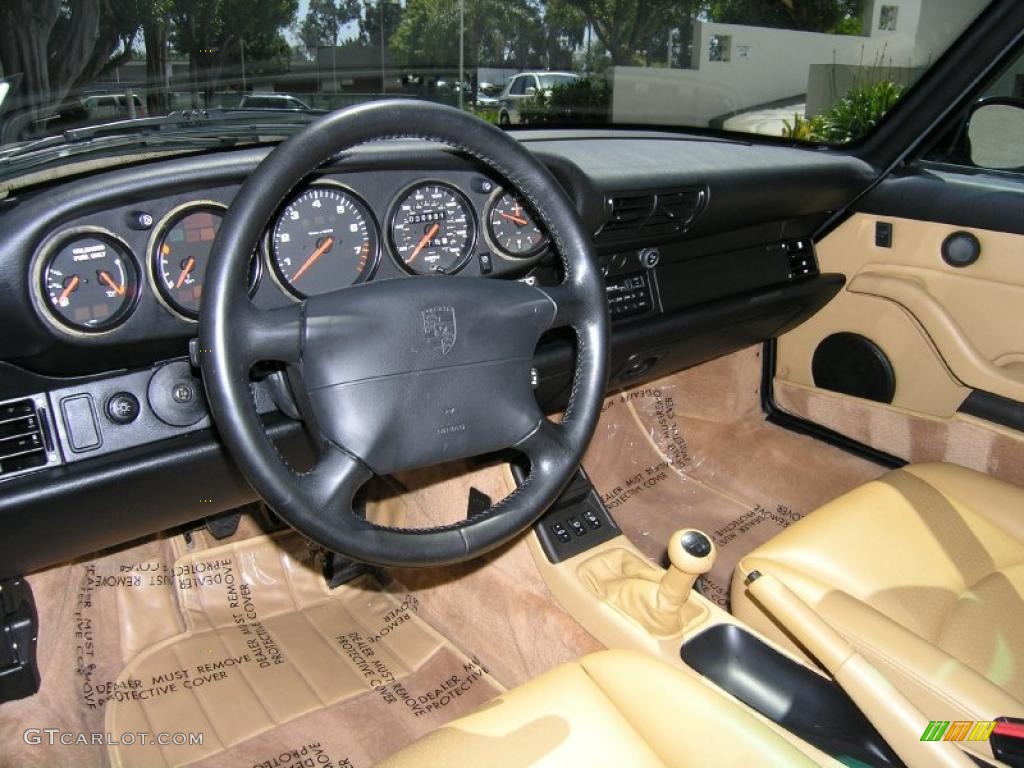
[
  {"x": 923, "y": 572},
  {"x": 615, "y": 708}
]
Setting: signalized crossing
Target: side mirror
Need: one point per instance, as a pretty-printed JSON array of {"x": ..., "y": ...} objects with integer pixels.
[
  {"x": 530, "y": 90},
  {"x": 995, "y": 134}
]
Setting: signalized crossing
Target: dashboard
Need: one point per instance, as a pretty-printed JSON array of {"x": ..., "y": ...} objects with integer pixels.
[
  {"x": 133, "y": 270},
  {"x": 705, "y": 247}
]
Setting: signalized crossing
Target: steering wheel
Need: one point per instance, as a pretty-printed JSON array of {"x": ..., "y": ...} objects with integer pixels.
[{"x": 407, "y": 372}]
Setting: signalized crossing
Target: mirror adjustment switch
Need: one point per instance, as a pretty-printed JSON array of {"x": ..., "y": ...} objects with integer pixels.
[{"x": 576, "y": 526}]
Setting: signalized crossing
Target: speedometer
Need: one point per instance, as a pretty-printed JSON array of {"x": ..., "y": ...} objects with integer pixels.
[
  {"x": 324, "y": 240},
  {"x": 433, "y": 229}
]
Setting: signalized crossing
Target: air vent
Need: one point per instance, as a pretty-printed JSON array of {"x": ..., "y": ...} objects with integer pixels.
[
  {"x": 23, "y": 444},
  {"x": 628, "y": 213},
  {"x": 651, "y": 216},
  {"x": 674, "y": 212}
]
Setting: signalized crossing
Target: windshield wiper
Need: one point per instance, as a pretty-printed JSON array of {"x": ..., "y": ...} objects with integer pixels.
[{"x": 178, "y": 124}]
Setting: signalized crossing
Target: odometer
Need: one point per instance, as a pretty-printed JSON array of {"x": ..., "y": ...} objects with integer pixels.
[
  {"x": 324, "y": 240},
  {"x": 433, "y": 229}
]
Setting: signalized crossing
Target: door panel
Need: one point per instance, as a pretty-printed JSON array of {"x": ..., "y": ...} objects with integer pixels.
[{"x": 946, "y": 332}]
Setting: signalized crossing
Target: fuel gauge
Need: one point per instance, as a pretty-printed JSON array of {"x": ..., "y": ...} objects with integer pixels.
[{"x": 90, "y": 282}]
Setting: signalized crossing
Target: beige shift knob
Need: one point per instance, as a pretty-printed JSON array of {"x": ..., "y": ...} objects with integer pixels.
[{"x": 692, "y": 554}]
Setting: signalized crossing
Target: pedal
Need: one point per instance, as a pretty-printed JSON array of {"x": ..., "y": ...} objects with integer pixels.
[
  {"x": 19, "y": 622},
  {"x": 478, "y": 503},
  {"x": 222, "y": 526},
  {"x": 340, "y": 570}
]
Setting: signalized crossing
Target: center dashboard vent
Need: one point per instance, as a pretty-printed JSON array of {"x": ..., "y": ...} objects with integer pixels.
[{"x": 650, "y": 216}]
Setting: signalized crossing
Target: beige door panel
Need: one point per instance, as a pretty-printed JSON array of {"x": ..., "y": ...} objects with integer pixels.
[
  {"x": 945, "y": 330},
  {"x": 923, "y": 382},
  {"x": 956, "y": 348}
]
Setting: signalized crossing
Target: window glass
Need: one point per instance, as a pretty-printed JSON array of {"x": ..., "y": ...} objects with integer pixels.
[{"x": 814, "y": 70}]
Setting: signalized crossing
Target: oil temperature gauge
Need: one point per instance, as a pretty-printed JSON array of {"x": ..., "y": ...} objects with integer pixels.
[
  {"x": 512, "y": 228},
  {"x": 90, "y": 282}
]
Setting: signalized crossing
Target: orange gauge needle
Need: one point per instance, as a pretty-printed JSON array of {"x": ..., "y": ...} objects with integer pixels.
[
  {"x": 189, "y": 266},
  {"x": 118, "y": 289},
  {"x": 423, "y": 242},
  {"x": 520, "y": 221},
  {"x": 72, "y": 284},
  {"x": 323, "y": 248}
]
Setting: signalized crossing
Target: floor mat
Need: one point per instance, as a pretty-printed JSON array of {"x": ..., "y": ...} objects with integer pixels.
[
  {"x": 498, "y": 604},
  {"x": 241, "y": 643},
  {"x": 693, "y": 450}
]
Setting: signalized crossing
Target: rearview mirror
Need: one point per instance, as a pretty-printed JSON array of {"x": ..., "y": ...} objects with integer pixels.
[{"x": 995, "y": 134}]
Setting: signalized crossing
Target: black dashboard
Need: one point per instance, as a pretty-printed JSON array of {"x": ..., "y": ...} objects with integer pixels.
[{"x": 705, "y": 246}]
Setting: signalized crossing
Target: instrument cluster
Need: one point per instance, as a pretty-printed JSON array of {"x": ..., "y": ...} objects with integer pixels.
[{"x": 325, "y": 237}]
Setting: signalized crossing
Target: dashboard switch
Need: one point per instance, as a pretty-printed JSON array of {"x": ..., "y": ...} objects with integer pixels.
[
  {"x": 122, "y": 408},
  {"x": 482, "y": 185},
  {"x": 80, "y": 423},
  {"x": 561, "y": 533},
  {"x": 140, "y": 220}
]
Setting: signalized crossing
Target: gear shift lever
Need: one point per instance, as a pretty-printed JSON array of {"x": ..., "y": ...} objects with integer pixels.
[
  {"x": 692, "y": 555},
  {"x": 655, "y": 599}
]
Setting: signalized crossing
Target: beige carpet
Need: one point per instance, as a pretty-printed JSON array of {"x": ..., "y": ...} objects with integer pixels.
[
  {"x": 124, "y": 630},
  {"x": 242, "y": 643},
  {"x": 498, "y": 604},
  {"x": 693, "y": 450},
  {"x": 963, "y": 440}
]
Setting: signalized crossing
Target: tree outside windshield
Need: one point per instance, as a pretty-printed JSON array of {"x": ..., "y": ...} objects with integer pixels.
[{"x": 812, "y": 70}]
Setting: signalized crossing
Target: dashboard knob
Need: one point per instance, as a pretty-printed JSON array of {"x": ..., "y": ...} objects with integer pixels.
[
  {"x": 122, "y": 408},
  {"x": 649, "y": 257}
]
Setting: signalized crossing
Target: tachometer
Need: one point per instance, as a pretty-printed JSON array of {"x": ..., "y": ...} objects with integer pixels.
[
  {"x": 512, "y": 228},
  {"x": 325, "y": 239},
  {"x": 89, "y": 279},
  {"x": 433, "y": 229}
]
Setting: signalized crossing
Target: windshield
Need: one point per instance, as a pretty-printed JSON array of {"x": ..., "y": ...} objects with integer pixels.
[{"x": 812, "y": 70}]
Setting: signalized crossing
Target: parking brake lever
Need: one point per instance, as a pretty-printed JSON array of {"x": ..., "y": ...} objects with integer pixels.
[{"x": 890, "y": 712}]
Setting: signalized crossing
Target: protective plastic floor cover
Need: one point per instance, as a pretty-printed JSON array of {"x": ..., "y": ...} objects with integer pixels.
[
  {"x": 693, "y": 450},
  {"x": 266, "y": 642}
]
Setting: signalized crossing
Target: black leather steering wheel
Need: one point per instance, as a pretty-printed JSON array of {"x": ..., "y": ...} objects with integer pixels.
[{"x": 406, "y": 372}]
